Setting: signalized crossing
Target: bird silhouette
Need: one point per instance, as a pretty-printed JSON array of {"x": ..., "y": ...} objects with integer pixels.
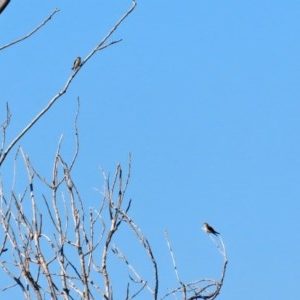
[{"x": 208, "y": 229}]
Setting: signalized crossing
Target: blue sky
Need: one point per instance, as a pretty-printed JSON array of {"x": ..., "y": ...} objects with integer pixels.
[{"x": 205, "y": 96}]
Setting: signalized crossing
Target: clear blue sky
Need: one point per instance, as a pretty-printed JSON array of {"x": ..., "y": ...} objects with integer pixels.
[{"x": 206, "y": 97}]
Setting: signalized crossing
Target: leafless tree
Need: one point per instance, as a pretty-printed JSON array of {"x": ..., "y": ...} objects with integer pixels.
[
  {"x": 52, "y": 245},
  {"x": 69, "y": 256}
]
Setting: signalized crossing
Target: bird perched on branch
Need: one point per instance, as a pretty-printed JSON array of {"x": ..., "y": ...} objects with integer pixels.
[
  {"x": 77, "y": 63},
  {"x": 208, "y": 229}
]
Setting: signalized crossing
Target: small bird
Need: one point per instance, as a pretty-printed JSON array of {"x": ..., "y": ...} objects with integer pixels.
[
  {"x": 77, "y": 63},
  {"x": 208, "y": 229}
]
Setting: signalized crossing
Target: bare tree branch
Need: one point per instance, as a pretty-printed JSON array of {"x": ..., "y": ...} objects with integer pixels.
[
  {"x": 199, "y": 289},
  {"x": 99, "y": 47},
  {"x": 32, "y": 32},
  {"x": 72, "y": 231},
  {"x": 102, "y": 45},
  {"x": 3, "y": 128},
  {"x": 61, "y": 249}
]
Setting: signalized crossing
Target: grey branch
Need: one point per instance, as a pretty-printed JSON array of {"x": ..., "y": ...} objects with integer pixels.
[
  {"x": 200, "y": 289},
  {"x": 100, "y": 46},
  {"x": 32, "y": 32}
]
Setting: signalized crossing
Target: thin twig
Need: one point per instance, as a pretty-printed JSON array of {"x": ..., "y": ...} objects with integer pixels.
[
  {"x": 4, "y": 126},
  {"x": 183, "y": 288},
  {"x": 32, "y": 32}
]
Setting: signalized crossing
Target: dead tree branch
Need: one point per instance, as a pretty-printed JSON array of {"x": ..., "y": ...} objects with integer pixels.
[
  {"x": 42, "y": 252},
  {"x": 99, "y": 47},
  {"x": 30, "y": 33},
  {"x": 199, "y": 289},
  {"x": 67, "y": 256},
  {"x": 3, "y": 128}
]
